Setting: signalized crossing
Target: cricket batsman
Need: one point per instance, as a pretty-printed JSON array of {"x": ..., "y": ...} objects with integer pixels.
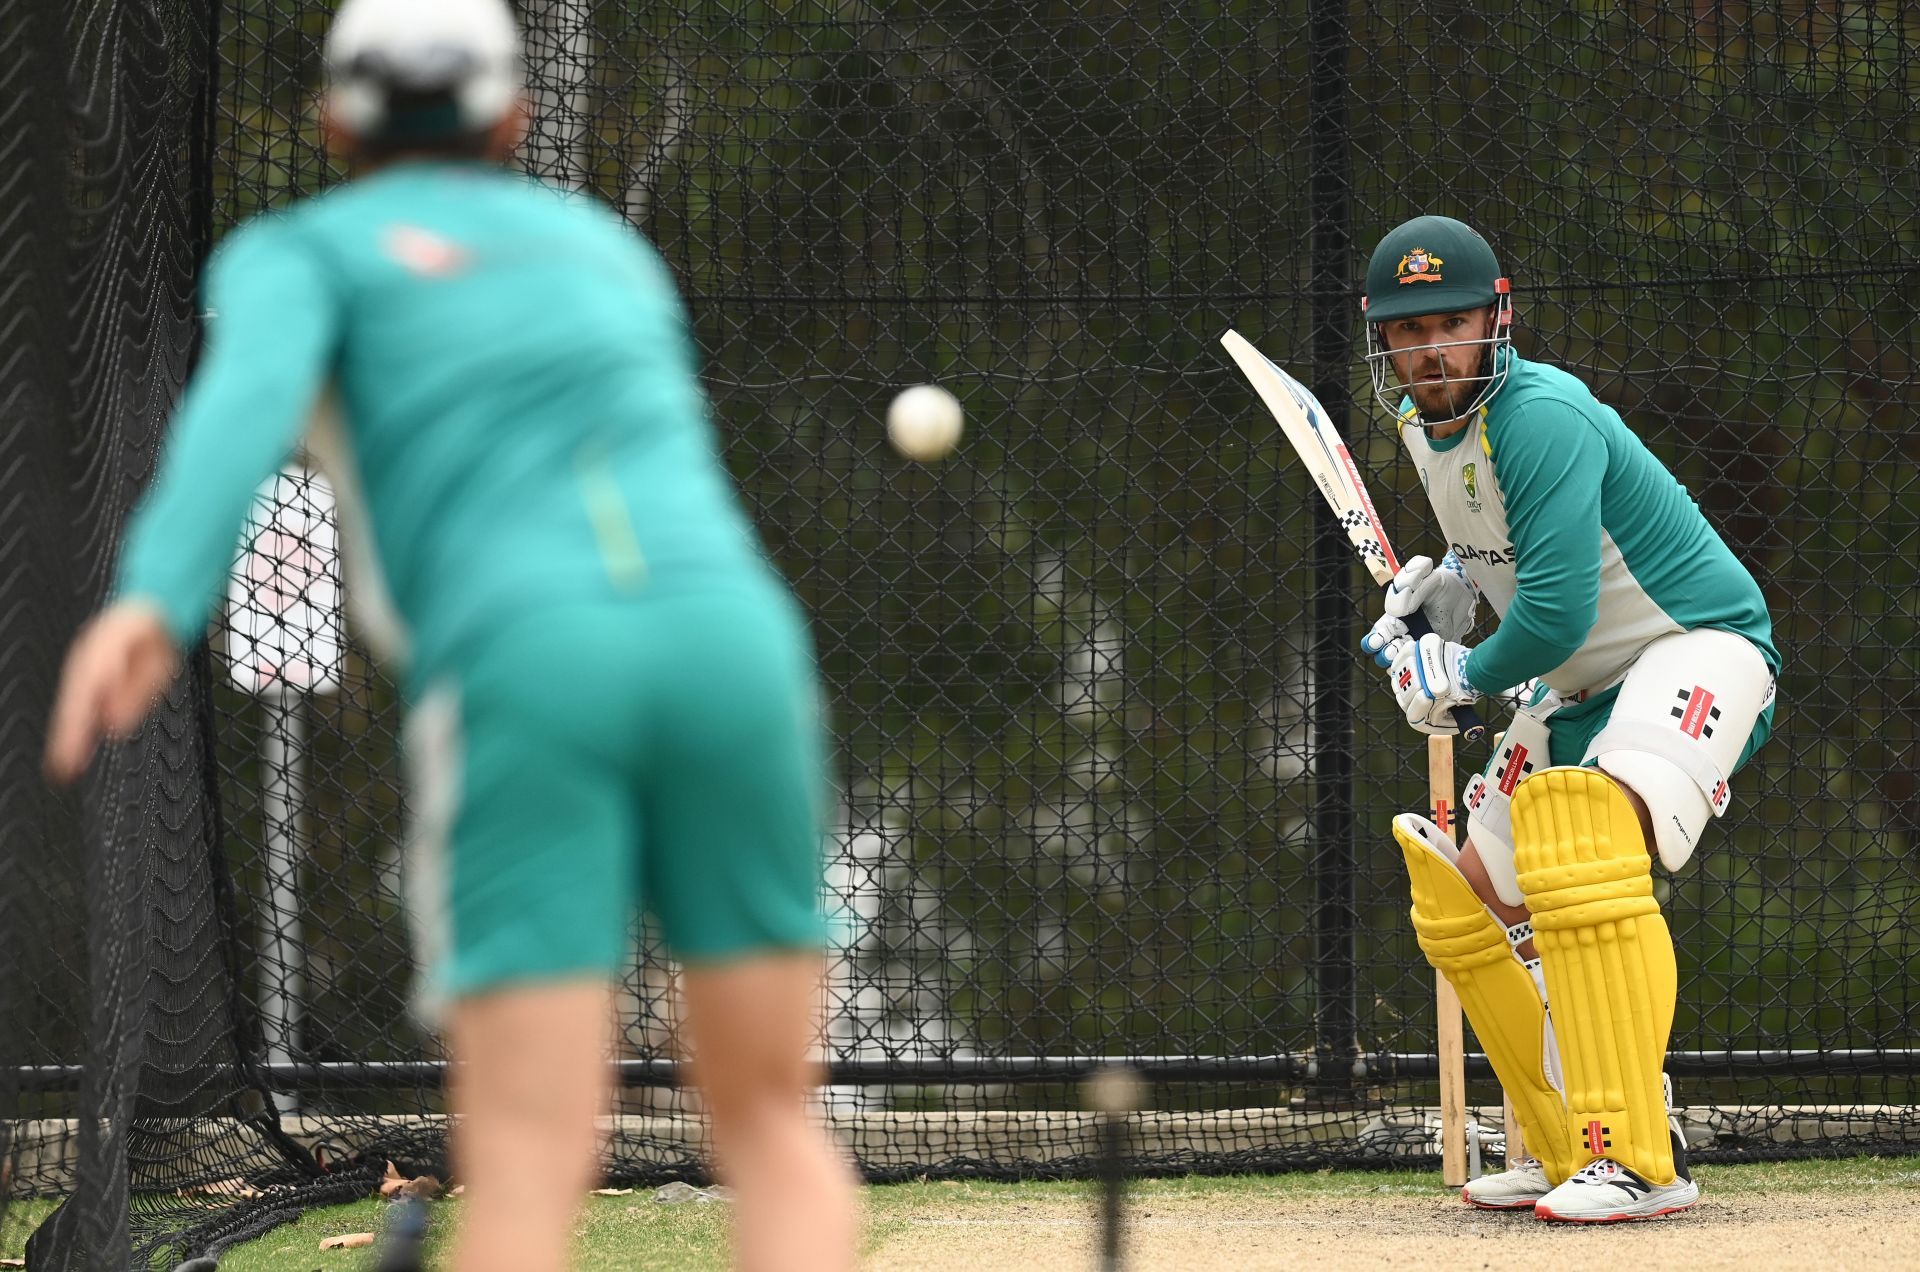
[
  {"x": 612, "y": 701},
  {"x": 1647, "y": 665}
]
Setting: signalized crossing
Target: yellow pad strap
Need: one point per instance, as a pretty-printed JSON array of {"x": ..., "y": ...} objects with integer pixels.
[
  {"x": 1608, "y": 957},
  {"x": 1468, "y": 945}
]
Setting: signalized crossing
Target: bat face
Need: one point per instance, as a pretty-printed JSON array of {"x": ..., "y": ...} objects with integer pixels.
[
  {"x": 1308, "y": 426},
  {"x": 1321, "y": 448}
]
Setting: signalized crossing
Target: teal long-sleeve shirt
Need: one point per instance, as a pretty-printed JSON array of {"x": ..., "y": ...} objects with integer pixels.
[
  {"x": 519, "y": 416},
  {"x": 1582, "y": 541}
]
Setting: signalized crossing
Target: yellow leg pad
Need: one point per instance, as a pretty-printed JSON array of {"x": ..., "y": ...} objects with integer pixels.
[
  {"x": 1468, "y": 946},
  {"x": 1608, "y": 959}
]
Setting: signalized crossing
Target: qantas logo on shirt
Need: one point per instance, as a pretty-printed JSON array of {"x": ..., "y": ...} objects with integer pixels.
[{"x": 1492, "y": 556}]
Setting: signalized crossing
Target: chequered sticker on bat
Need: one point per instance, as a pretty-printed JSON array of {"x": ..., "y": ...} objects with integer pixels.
[{"x": 1370, "y": 547}]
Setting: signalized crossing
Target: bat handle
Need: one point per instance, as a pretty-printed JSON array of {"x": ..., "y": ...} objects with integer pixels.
[{"x": 1472, "y": 728}]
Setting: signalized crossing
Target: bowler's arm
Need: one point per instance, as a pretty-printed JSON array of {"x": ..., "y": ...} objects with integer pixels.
[{"x": 271, "y": 343}]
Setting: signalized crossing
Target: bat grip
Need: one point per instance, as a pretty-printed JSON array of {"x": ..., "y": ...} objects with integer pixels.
[{"x": 1472, "y": 728}]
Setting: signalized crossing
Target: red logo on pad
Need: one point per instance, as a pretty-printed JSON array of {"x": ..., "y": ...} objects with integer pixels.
[
  {"x": 1516, "y": 768},
  {"x": 1694, "y": 718},
  {"x": 1596, "y": 1138}
]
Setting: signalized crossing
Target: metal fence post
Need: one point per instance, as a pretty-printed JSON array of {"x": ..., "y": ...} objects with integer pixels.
[{"x": 1336, "y": 1025}]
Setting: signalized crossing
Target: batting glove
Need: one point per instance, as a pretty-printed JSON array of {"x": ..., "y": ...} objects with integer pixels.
[
  {"x": 1444, "y": 593},
  {"x": 1383, "y": 642},
  {"x": 1430, "y": 680}
]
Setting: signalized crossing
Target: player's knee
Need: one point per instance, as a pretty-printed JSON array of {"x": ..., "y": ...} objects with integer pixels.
[
  {"x": 755, "y": 1083},
  {"x": 745, "y": 1099},
  {"x": 1578, "y": 850},
  {"x": 1474, "y": 868},
  {"x": 1640, "y": 810},
  {"x": 1460, "y": 922}
]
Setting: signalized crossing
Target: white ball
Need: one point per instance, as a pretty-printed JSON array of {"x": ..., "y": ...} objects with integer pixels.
[{"x": 924, "y": 422}]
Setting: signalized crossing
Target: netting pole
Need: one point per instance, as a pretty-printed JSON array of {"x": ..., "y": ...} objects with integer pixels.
[
  {"x": 560, "y": 56},
  {"x": 1336, "y": 1026},
  {"x": 282, "y": 974}
]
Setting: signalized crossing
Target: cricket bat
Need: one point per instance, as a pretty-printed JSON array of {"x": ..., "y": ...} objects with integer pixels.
[{"x": 1321, "y": 448}]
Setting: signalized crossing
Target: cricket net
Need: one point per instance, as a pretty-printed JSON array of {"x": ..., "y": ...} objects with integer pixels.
[{"x": 1113, "y": 781}]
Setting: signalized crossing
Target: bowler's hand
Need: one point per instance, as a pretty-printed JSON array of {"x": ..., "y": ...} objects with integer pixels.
[{"x": 119, "y": 665}]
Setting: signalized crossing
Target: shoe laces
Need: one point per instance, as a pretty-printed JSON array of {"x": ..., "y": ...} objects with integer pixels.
[{"x": 1601, "y": 1170}]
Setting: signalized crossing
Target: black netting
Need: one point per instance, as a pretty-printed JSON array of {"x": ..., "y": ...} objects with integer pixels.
[
  {"x": 125, "y": 1033},
  {"x": 1113, "y": 779}
]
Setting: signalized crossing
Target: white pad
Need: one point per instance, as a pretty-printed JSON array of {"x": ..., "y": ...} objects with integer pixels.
[
  {"x": 1489, "y": 800},
  {"x": 1517, "y": 935},
  {"x": 1685, "y": 711}
]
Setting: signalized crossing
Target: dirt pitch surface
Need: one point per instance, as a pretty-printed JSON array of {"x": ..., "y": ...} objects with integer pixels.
[{"x": 1170, "y": 1227}]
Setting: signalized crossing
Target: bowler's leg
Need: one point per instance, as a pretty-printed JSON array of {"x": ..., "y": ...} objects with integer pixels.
[
  {"x": 752, "y": 1024},
  {"x": 530, "y": 1081}
]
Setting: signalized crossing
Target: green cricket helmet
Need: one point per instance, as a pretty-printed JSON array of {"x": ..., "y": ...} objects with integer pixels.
[{"x": 1435, "y": 265}]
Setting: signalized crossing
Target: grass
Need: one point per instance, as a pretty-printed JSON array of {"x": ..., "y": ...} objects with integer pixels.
[
  {"x": 636, "y": 1232},
  {"x": 614, "y": 1232},
  {"x": 17, "y": 1223}
]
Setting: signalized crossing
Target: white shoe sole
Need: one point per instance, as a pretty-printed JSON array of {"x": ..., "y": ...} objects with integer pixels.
[
  {"x": 1670, "y": 1206},
  {"x": 1519, "y": 1203}
]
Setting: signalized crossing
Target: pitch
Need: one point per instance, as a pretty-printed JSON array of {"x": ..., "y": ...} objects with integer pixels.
[{"x": 1855, "y": 1213}]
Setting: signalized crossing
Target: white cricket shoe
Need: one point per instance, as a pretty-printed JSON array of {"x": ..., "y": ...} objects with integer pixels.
[
  {"x": 1515, "y": 1188},
  {"x": 1604, "y": 1191}
]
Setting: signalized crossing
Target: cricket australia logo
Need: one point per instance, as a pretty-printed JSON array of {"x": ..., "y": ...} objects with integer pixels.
[
  {"x": 1419, "y": 266},
  {"x": 1471, "y": 481}
]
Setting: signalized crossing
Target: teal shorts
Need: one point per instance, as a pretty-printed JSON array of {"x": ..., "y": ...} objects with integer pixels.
[{"x": 601, "y": 758}]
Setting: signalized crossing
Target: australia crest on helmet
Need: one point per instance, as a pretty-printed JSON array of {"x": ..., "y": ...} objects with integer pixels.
[{"x": 1419, "y": 266}]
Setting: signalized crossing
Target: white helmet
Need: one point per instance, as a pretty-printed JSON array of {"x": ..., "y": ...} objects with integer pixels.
[{"x": 419, "y": 69}]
